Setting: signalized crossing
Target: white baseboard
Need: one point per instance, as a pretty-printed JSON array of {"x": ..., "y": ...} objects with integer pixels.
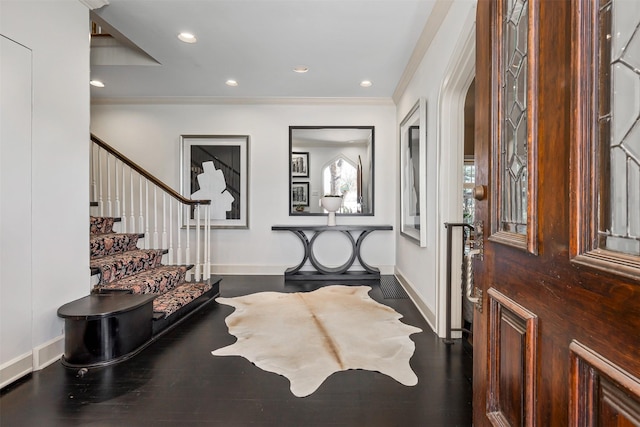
[
  {"x": 39, "y": 358},
  {"x": 387, "y": 269},
  {"x": 15, "y": 369},
  {"x": 426, "y": 312},
  {"x": 269, "y": 270},
  {"x": 250, "y": 270},
  {"x": 47, "y": 353}
]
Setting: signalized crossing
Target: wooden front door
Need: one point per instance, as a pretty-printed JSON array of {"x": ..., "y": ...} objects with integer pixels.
[{"x": 557, "y": 334}]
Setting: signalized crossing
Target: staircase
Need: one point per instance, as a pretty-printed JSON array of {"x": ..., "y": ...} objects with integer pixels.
[
  {"x": 137, "y": 223},
  {"x": 120, "y": 266}
]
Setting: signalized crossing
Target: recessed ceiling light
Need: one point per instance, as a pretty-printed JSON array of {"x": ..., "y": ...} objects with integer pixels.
[
  {"x": 301, "y": 69},
  {"x": 365, "y": 83},
  {"x": 96, "y": 83},
  {"x": 187, "y": 37},
  {"x": 231, "y": 82}
]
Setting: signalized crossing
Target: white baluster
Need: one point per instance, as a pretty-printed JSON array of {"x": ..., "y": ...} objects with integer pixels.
[
  {"x": 94, "y": 190},
  {"x": 109, "y": 207},
  {"x": 207, "y": 228},
  {"x": 170, "y": 253},
  {"x": 188, "y": 247},
  {"x": 100, "y": 198},
  {"x": 198, "y": 233},
  {"x": 140, "y": 211},
  {"x": 122, "y": 214},
  {"x": 156, "y": 243},
  {"x": 147, "y": 235},
  {"x": 132, "y": 215},
  {"x": 164, "y": 220},
  {"x": 116, "y": 174},
  {"x": 181, "y": 214}
]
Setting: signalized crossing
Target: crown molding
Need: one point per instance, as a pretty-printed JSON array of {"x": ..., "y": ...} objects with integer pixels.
[
  {"x": 213, "y": 100},
  {"x": 431, "y": 28},
  {"x": 95, "y": 4}
]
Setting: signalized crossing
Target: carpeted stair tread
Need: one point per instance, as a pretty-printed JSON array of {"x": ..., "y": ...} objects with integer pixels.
[
  {"x": 112, "y": 243},
  {"x": 156, "y": 280},
  {"x": 121, "y": 265},
  {"x": 170, "y": 302},
  {"x": 125, "y": 268},
  {"x": 101, "y": 224}
]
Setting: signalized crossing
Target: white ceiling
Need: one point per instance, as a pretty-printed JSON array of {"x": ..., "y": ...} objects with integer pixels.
[
  {"x": 258, "y": 43},
  {"x": 325, "y": 137}
]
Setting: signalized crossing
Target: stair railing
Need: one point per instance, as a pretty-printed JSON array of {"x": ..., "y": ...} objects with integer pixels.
[
  {"x": 148, "y": 206},
  {"x": 450, "y": 226}
]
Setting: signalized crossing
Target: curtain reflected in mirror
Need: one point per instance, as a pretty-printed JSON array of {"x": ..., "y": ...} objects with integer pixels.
[{"x": 331, "y": 160}]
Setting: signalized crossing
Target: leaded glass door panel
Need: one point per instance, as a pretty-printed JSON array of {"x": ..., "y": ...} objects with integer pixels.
[
  {"x": 514, "y": 133},
  {"x": 556, "y": 336}
]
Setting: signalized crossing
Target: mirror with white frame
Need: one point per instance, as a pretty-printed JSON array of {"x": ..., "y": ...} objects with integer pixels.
[{"x": 336, "y": 160}]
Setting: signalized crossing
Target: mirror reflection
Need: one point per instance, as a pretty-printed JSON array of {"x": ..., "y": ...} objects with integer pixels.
[{"x": 331, "y": 160}]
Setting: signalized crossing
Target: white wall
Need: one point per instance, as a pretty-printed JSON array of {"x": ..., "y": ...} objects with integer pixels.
[
  {"x": 423, "y": 268},
  {"x": 57, "y": 34},
  {"x": 15, "y": 203},
  {"x": 149, "y": 134}
]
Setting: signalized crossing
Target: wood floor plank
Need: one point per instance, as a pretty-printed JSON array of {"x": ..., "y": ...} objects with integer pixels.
[{"x": 177, "y": 382}]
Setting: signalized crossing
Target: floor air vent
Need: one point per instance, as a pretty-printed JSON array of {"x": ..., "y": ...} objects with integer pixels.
[{"x": 391, "y": 288}]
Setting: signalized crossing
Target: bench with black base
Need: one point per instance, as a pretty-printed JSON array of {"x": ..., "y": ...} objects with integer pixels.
[
  {"x": 102, "y": 329},
  {"x": 136, "y": 298}
]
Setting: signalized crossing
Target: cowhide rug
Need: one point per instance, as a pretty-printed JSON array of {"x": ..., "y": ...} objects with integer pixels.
[{"x": 307, "y": 336}]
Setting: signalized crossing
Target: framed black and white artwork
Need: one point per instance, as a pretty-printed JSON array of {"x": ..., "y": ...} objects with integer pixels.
[
  {"x": 300, "y": 193},
  {"x": 215, "y": 167},
  {"x": 413, "y": 172},
  {"x": 300, "y": 164}
]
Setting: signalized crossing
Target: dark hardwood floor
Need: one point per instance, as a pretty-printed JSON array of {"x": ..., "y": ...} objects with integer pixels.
[{"x": 177, "y": 382}]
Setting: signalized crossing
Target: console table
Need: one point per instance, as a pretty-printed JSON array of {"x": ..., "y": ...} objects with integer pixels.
[{"x": 331, "y": 273}]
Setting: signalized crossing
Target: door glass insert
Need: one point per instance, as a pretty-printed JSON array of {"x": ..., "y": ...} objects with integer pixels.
[
  {"x": 619, "y": 126},
  {"x": 514, "y": 155}
]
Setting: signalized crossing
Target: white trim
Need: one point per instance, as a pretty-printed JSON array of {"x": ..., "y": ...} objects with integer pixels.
[
  {"x": 431, "y": 28},
  {"x": 459, "y": 75},
  {"x": 414, "y": 295},
  {"x": 15, "y": 369},
  {"x": 213, "y": 100},
  {"x": 94, "y": 4},
  {"x": 271, "y": 270},
  {"x": 47, "y": 353},
  {"x": 250, "y": 270}
]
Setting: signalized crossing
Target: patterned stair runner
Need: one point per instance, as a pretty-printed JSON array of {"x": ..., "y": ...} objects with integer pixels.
[
  {"x": 112, "y": 243},
  {"x": 170, "y": 302},
  {"x": 123, "y": 267}
]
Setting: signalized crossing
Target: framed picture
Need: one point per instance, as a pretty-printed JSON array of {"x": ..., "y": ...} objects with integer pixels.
[
  {"x": 300, "y": 193},
  {"x": 215, "y": 167},
  {"x": 300, "y": 165},
  {"x": 413, "y": 173}
]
